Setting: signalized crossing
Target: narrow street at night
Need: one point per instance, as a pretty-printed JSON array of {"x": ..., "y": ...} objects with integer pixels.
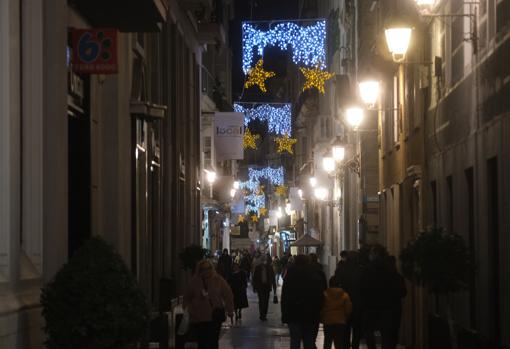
[{"x": 238, "y": 174}]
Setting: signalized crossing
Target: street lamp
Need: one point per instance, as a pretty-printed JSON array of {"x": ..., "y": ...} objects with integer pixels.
[
  {"x": 321, "y": 193},
  {"x": 338, "y": 152},
  {"x": 236, "y": 185},
  {"x": 232, "y": 193},
  {"x": 313, "y": 182},
  {"x": 398, "y": 39},
  {"x": 328, "y": 164},
  {"x": 369, "y": 91},
  {"x": 210, "y": 176},
  {"x": 354, "y": 116}
]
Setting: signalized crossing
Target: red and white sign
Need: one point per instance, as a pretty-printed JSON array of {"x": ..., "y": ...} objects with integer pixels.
[{"x": 95, "y": 51}]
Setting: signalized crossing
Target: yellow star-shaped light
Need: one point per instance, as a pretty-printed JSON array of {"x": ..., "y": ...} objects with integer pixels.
[
  {"x": 281, "y": 190},
  {"x": 254, "y": 218},
  {"x": 257, "y": 76},
  {"x": 240, "y": 219},
  {"x": 315, "y": 78},
  {"x": 285, "y": 143},
  {"x": 263, "y": 211},
  {"x": 250, "y": 140}
]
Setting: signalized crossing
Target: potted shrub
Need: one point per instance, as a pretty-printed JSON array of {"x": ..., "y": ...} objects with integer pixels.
[
  {"x": 94, "y": 302},
  {"x": 440, "y": 262}
]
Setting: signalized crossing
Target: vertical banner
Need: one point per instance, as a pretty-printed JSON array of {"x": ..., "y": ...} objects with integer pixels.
[
  {"x": 296, "y": 203},
  {"x": 228, "y": 136}
]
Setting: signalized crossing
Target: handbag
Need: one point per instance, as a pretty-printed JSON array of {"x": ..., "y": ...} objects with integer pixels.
[
  {"x": 275, "y": 299},
  {"x": 218, "y": 313}
]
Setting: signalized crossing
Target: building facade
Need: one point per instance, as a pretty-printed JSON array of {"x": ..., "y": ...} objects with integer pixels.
[{"x": 116, "y": 155}]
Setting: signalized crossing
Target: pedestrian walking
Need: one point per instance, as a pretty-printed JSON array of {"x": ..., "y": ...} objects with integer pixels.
[
  {"x": 382, "y": 290},
  {"x": 301, "y": 302},
  {"x": 348, "y": 273},
  {"x": 263, "y": 282},
  {"x": 246, "y": 263},
  {"x": 335, "y": 311},
  {"x": 277, "y": 267},
  {"x": 317, "y": 270},
  {"x": 238, "y": 283},
  {"x": 207, "y": 299},
  {"x": 225, "y": 264}
]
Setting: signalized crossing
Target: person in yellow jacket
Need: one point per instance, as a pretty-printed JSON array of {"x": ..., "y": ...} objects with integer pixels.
[{"x": 335, "y": 311}]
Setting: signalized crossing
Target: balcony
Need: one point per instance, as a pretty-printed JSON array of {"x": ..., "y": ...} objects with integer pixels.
[
  {"x": 211, "y": 33},
  {"x": 125, "y": 15},
  {"x": 196, "y": 5}
]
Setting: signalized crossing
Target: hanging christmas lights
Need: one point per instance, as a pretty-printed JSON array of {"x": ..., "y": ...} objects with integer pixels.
[
  {"x": 315, "y": 78},
  {"x": 281, "y": 190},
  {"x": 277, "y": 116},
  {"x": 274, "y": 175},
  {"x": 252, "y": 186},
  {"x": 257, "y": 76},
  {"x": 250, "y": 140},
  {"x": 285, "y": 143},
  {"x": 306, "y": 42}
]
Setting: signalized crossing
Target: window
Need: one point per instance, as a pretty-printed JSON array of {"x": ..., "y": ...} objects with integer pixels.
[
  {"x": 493, "y": 246},
  {"x": 470, "y": 213},
  {"x": 449, "y": 203},
  {"x": 433, "y": 194},
  {"x": 395, "y": 109}
]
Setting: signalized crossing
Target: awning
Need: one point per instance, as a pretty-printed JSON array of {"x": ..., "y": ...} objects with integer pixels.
[{"x": 306, "y": 241}]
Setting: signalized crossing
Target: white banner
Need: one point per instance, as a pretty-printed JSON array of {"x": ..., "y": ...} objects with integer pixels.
[
  {"x": 228, "y": 136},
  {"x": 296, "y": 203}
]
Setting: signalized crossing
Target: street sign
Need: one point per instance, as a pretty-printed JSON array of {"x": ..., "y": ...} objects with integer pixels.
[{"x": 95, "y": 51}]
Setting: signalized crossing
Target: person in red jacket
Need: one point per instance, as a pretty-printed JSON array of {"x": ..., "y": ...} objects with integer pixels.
[{"x": 335, "y": 311}]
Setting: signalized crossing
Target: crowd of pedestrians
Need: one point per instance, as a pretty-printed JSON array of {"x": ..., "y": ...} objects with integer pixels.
[{"x": 363, "y": 297}]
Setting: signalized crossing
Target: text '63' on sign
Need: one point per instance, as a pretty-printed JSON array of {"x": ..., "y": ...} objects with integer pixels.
[{"x": 95, "y": 51}]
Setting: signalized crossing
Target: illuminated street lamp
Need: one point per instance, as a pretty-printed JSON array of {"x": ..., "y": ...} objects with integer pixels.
[
  {"x": 328, "y": 164},
  {"x": 369, "y": 91},
  {"x": 210, "y": 176},
  {"x": 313, "y": 182},
  {"x": 232, "y": 193},
  {"x": 425, "y": 2},
  {"x": 300, "y": 193},
  {"x": 236, "y": 185},
  {"x": 398, "y": 39},
  {"x": 338, "y": 153},
  {"x": 354, "y": 116},
  {"x": 321, "y": 193}
]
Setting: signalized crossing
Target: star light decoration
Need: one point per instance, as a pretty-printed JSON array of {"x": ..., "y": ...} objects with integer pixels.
[
  {"x": 240, "y": 219},
  {"x": 277, "y": 116},
  {"x": 263, "y": 211},
  {"x": 306, "y": 41},
  {"x": 315, "y": 78},
  {"x": 254, "y": 218},
  {"x": 250, "y": 140},
  {"x": 285, "y": 143},
  {"x": 281, "y": 190},
  {"x": 258, "y": 76}
]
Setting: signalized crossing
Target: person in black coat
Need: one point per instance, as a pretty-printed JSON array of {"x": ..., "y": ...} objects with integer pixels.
[
  {"x": 238, "y": 283},
  {"x": 382, "y": 289},
  {"x": 225, "y": 264},
  {"x": 301, "y": 302},
  {"x": 263, "y": 281}
]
